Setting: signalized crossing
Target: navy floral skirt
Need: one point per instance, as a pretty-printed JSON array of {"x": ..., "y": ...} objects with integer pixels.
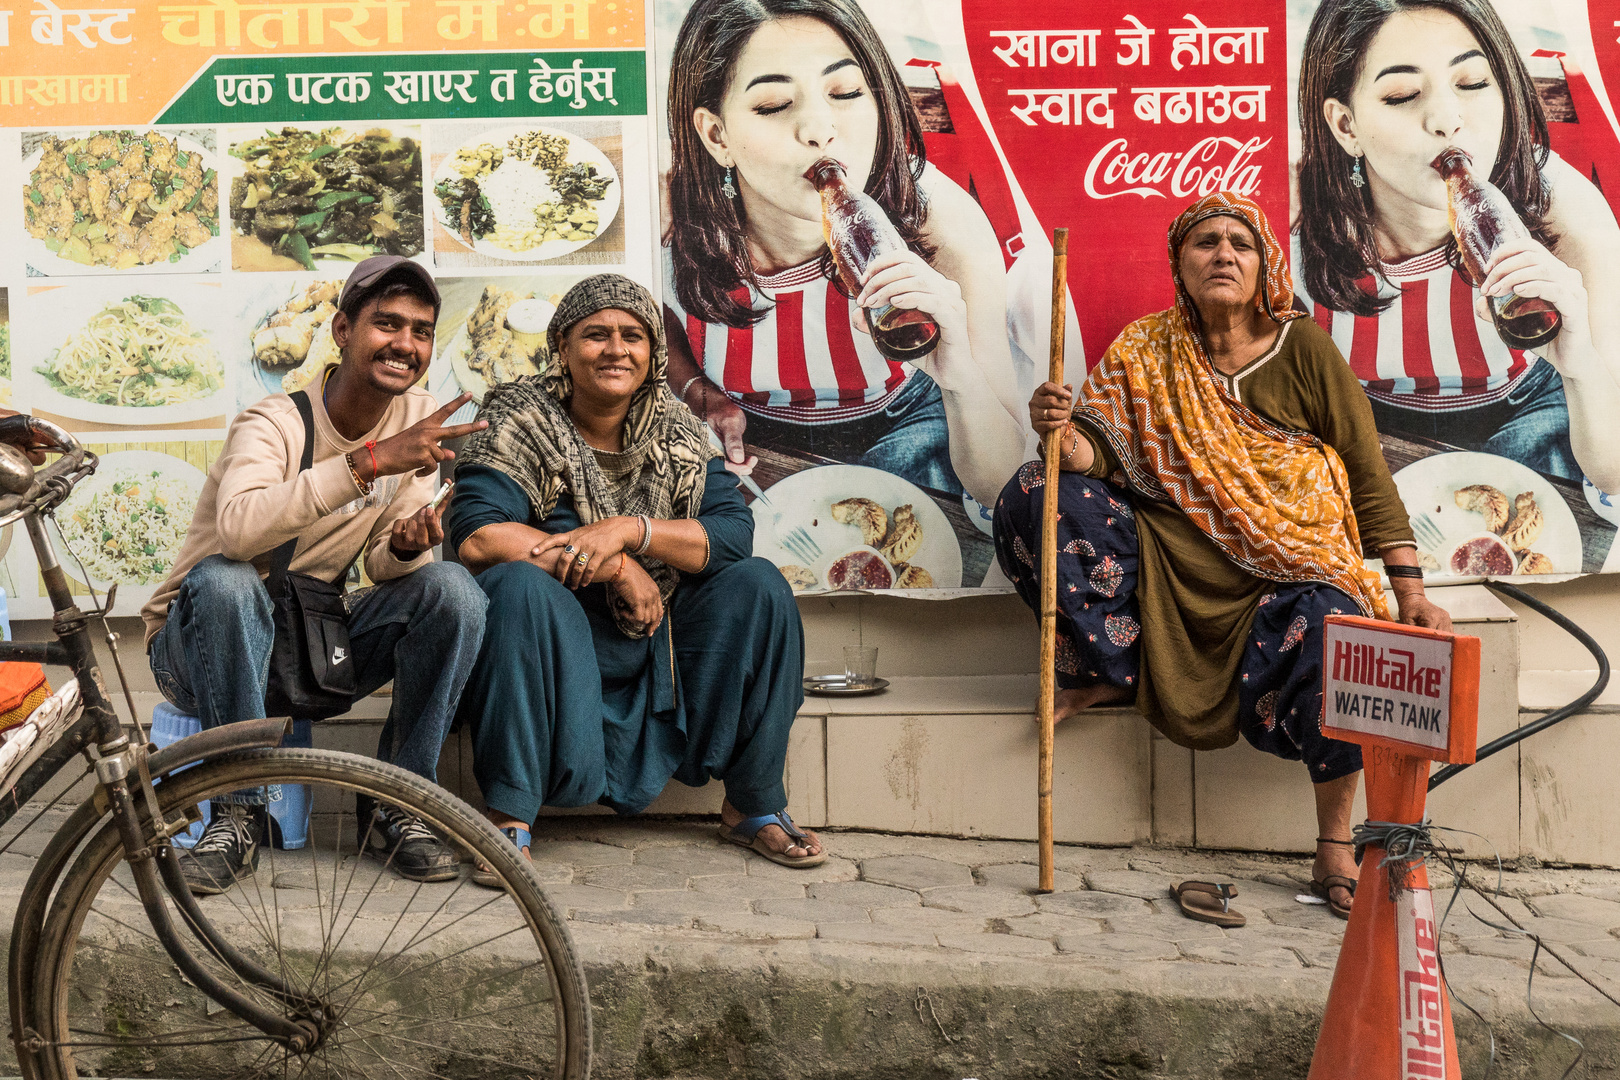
[{"x": 1099, "y": 631}]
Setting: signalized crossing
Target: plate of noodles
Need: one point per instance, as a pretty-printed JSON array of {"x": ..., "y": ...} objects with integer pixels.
[
  {"x": 126, "y": 523},
  {"x": 132, "y": 355}
]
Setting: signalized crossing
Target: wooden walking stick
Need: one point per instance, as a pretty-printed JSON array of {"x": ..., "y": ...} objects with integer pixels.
[{"x": 1049, "y": 512}]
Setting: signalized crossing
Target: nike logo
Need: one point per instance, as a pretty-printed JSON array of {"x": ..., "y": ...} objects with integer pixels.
[{"x": 338, "y": 655}]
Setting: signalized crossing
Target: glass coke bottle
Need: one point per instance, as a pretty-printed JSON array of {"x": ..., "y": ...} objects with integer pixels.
[
  {"x": 858, "y": 232},
  {"x": 1482, "y": 220}
]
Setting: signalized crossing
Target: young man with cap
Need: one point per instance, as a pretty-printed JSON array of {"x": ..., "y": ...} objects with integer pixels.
[{"x": 375, "y": 468}]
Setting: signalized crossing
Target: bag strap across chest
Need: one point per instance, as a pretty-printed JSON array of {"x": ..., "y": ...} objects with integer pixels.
[{"x": 281, "y": 558}]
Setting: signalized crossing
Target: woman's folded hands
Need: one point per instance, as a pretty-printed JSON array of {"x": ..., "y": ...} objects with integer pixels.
[
  {"x": 579, "y": 556},
  {"x": 597, "y": 552}
]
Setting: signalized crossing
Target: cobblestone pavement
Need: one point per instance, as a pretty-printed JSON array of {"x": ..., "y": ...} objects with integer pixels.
[
  {"x": 941, "y": 919},
  {"x": 977, "y": 896},
  {"x": 926, "y": 957}
]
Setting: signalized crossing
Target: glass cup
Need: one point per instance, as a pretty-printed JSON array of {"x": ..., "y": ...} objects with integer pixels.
[{"x": 860, "y": 664}]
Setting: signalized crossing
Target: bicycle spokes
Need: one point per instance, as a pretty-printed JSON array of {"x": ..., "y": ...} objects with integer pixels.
[{"x": 397, "y": 978}]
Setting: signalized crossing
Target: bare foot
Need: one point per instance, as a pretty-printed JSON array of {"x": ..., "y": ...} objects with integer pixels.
[
  {"x": 1336, "y": 860},
  {"x": 773, "y": 835},
  {"x": 1065, "y": 703}
]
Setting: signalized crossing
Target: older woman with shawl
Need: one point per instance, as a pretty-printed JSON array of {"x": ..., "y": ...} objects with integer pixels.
[
  {"x": 1222, "y": 480},
  {"x": 630, "y": 635}
]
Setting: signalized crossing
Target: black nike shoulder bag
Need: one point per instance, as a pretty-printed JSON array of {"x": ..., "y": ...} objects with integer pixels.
[{"x": 312, "y": 675}]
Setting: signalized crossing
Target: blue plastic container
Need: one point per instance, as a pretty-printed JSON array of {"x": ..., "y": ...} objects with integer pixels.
[{"x": 289, "y": 803}]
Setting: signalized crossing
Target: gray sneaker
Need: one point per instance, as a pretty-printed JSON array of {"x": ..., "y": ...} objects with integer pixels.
[{"x": 227, "y": 850}]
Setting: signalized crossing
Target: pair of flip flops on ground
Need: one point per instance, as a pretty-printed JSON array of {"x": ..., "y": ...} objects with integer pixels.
[{"x": 1210, "y": 902}]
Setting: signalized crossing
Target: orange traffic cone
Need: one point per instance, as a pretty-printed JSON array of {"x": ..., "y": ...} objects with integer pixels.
[{"x": 1388, "y": 1012}]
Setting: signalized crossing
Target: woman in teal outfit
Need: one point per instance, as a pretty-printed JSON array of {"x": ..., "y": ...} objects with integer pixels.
[{"x": 630, "y": 636}]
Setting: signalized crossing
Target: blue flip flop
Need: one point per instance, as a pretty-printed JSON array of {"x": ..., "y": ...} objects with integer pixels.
[
  {"x": 746, "y": 834},
  {"x": 484, "y": 874}
]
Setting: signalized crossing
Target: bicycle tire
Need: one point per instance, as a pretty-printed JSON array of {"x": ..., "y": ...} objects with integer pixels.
[{"x": 91, "y": 1024}]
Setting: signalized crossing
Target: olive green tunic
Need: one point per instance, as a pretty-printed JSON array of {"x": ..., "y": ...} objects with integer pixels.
[{"x": 1196, "y": 604}]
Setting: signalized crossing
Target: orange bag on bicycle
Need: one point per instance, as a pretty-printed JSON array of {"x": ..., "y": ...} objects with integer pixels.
[{"x": 22, "y": 689}]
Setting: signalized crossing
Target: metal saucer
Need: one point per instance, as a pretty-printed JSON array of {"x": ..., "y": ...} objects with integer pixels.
[{"x": 840, "y": 686}]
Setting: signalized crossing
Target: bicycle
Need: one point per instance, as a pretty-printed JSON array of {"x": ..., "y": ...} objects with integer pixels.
[{"x": 322, "y": 963}]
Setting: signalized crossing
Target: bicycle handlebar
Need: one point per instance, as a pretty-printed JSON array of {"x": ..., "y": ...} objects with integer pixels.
[{"x": 54, "y": 481}]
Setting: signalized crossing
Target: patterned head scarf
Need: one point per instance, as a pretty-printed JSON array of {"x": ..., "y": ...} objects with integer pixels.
[
  {"x": 531, "y": 437},
  {"x": 1276, "y": 501},
  {"x": 1276, "y": 294}
]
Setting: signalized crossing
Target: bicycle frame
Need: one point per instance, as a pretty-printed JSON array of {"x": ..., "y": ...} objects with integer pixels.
[{"x": 153, "y": 862}]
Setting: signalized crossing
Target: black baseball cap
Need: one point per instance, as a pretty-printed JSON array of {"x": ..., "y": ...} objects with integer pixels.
[{"x": 371, "y": 273}]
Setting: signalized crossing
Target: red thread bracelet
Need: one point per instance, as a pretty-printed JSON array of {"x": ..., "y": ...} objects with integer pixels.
[{"x": 371, "y": 448}]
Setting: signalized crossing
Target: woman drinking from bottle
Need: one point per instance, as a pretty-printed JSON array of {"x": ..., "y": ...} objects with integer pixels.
[
  {"x": 762, "y": 341},
  {"x": 1385, "y": 86}
]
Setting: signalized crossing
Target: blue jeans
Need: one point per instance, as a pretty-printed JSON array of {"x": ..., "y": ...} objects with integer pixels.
[
  {"x": 211, "y": 659},
  {"x": 909, "y": 438},
  {"x": 1530, "y": 425}
]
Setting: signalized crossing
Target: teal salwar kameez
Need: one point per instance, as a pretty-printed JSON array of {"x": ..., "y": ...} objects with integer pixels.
[{"x": 566, "y": 710}]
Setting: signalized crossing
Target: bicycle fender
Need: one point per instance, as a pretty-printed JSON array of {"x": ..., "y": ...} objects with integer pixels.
[{"x": 225, "y": 739}]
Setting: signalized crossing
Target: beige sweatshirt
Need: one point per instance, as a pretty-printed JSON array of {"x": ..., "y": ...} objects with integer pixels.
[{"x": 255, "y": 498}]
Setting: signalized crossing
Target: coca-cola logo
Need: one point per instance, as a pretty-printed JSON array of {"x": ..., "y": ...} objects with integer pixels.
[{"x": 1218, "y": 163}]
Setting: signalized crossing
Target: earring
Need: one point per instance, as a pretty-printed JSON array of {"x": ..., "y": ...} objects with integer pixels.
[
  {"x": 1355, "y": 174},
  {"x": 727, "y": 188}
]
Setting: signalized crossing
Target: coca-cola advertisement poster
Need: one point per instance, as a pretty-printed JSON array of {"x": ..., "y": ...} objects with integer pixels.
[{"x": 872, "y": 446}]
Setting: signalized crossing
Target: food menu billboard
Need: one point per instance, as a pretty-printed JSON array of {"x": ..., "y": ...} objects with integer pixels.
[{"x": 192, "y": 181}]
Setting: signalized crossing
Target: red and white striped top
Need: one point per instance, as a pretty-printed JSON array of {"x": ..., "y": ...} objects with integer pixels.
[
  {"x": 804, "y": 363},
  {"x": 1427, "y": 350}
]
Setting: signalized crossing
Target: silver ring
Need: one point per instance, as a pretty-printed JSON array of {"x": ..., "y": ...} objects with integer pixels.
[
  {"x": 568, "y": 548},
  {"x": 582, "y": 558}
]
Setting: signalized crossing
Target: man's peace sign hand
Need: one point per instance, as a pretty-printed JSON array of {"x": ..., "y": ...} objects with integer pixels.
[{"x": 417, "y": 449}]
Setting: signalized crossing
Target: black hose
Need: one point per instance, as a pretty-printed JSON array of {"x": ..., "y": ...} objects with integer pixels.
[{"x": 1558, "y": 715}]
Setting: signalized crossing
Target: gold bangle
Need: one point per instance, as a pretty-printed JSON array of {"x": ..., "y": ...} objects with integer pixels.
[
  {"x": 623, "y": 558},
  {"x": 705, "y": 533}
]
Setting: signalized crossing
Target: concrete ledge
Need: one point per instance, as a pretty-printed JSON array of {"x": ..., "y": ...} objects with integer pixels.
[
  {"x": 973, "y": 774},
  {"x": 1543, "y": 691},
  {"x": 959, "y": 695},
  {"x": 951, "y": 749},
  {"x": 1471, "y": 604}
]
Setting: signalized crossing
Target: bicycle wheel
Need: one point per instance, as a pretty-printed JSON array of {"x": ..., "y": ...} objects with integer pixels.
[{"x": 450, "y": 979}]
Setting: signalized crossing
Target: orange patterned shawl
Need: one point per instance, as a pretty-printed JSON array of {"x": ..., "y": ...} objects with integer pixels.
[{"x": 1276, "y": 501}]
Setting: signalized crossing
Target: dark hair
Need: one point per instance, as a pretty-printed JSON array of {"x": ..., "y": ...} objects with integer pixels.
[
  {"x": 1336, "y": 240},
  {"x": 706, "y": 235},
  {"x": 388, "y": 287}
]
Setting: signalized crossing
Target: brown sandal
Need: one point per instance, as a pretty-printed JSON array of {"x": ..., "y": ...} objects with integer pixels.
[
  {"x": 1197, "y": 900},
  {"x": 1323, "y": 889}
]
